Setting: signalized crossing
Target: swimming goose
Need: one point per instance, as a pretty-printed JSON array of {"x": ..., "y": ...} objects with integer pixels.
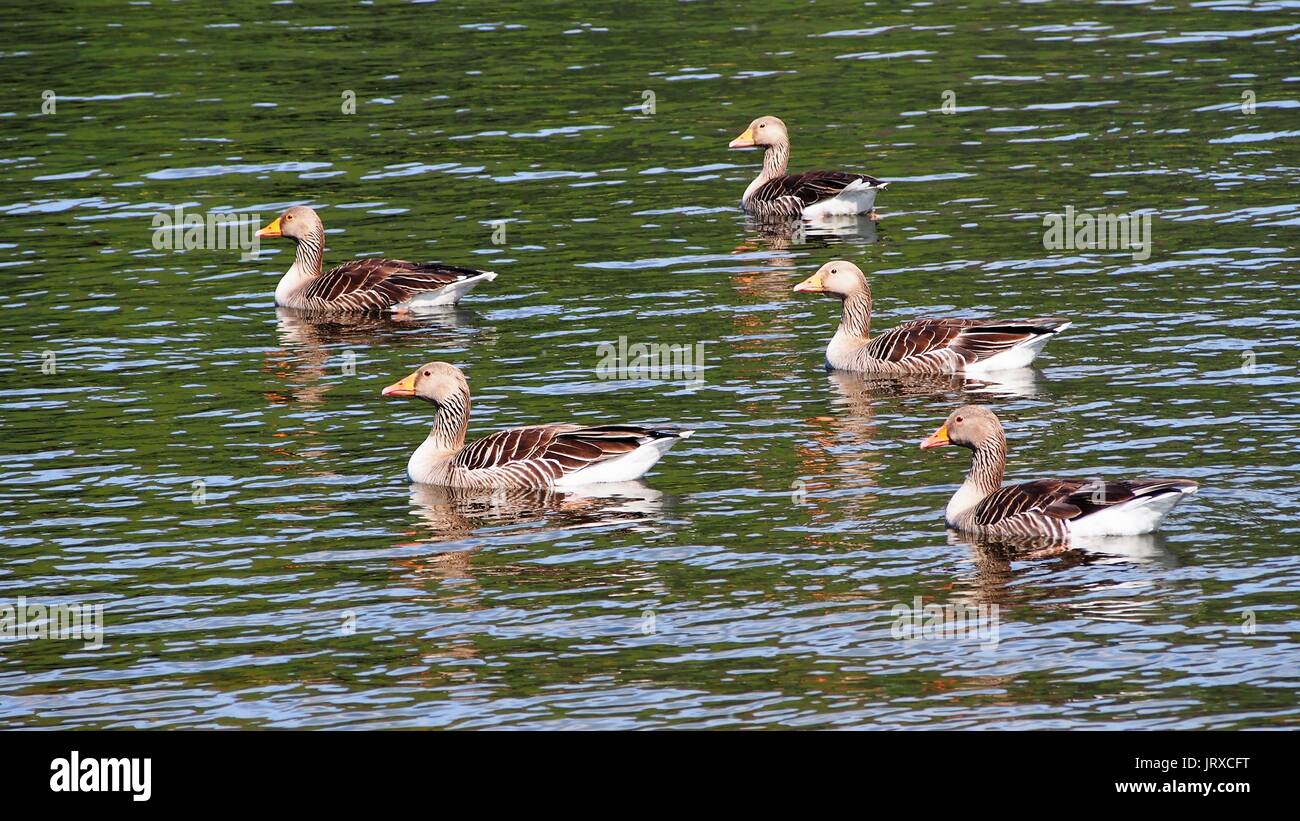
[
  {"x": 539, "y": 456},
  {"x": 969, "y": 346},
  {"x": 362, "y": 285},
  {"x": 810, "y": 195},
  {"x": 1053, "y": 509}
]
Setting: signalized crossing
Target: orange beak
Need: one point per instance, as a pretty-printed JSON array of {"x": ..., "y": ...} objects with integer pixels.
[
  {"x": 745, "y": 140},
  {"x": 812, "y": 285},
  {"x": 937, "y": 439},
  {"x": 404, "y": 388},
  {"x": 272, "y": 230}
]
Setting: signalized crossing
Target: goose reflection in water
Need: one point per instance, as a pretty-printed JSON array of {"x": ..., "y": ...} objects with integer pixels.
[
  {"x": 316, "y": 346},
  {"x": 858, "y": 389},
  {"x": 1011, "y": 574},
  {"x": 780, "y": 236},
  {"x": 454, "y": 513},
  {"x": 466, "y": 524},
  {"x": 461, "y": 520},
  {"x": 839, "y": 456}
]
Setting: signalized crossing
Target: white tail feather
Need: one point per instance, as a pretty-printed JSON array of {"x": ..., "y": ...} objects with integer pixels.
[
  {"x": 626, "y": 467},
  {"x": 1141, "y": 514},
  {"x": 444, "y": 296}
]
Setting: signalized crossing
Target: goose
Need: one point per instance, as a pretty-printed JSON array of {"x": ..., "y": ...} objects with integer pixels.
[
  {"x": 1055, "y": 509},
  {"x": 362, "y": 285},
  {"x": 921, "y": 346},
  {"x": 540, "y": 456},
  {"x": 809, "y": 195}
]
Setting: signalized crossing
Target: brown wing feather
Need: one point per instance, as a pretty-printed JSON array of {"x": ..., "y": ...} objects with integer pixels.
[
  {"x": 973, "y": 339},
  {"x": 572, "y": 446},
  {"x": 982, "y": 340},
  {"x": 1067, "y": 499},
  {"x": 916, "y": 337},
  {"x": 1038, "y": 495},
  {"x": 812, "y": 186},
  {"x": 791, "y": 193},
  {"x": 382, "y": 283}
]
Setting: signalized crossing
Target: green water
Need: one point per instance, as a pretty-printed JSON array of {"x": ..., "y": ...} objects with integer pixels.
[{"x": 752, "y": 580}]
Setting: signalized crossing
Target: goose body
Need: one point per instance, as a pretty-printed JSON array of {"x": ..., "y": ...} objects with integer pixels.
[
  {"x": 810, "y": 195},
  {"x": 922, "y": 346},
  {"x": 538, "y": 456},
  {"x": 362, "y": 285},
  {"x": 1052, "y": 509}
]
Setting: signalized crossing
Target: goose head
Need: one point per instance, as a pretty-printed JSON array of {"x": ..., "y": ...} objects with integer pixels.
[
  {"x": 763, "y": 131},
  {"x": 436, "y": 382},
  {"x": 970, "y": 426},
  {"x": 838, "y": 277},
  {"x": 297, "y": 223}
]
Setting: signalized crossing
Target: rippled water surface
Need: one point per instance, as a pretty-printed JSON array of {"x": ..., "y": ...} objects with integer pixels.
[{"x": 752, "y": 579}]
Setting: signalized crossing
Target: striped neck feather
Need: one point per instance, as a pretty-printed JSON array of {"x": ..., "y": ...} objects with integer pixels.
[
  {"x": 984, "y": 478},
  {"x": 776, "y": 160},
  {"x": 855, "y": 318},
  {"x": 451, "y": 423},
  {"x": 988, "y": 465},
  {"x": 309, "y": 253}
]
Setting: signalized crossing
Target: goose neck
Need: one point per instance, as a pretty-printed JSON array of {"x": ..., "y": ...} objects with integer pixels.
[
  {"x": 776, "y": 160},
  {"x": 855, "y": 318},
  {"x": 309, "y": 252},
  {"x": 451, "y": 423},
  {"x": 988, "y": 465}
]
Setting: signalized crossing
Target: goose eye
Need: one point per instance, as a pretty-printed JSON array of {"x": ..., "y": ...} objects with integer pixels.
[
  {"x": 426, "y": 373},
  {"x": 762, "y": 125},
  {"x": 835, "y": 270},
  {"x": 288, "y": 217},
  {"x": 958, "y": 419}
]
